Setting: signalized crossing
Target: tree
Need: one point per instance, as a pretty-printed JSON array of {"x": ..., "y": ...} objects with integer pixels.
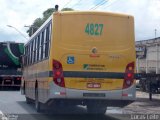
[
  {"x": 47, "y": 13},
  {"x": 39, "y": 21},
  {"x": 67, "y": 9},
  {"x": 36, "y": 24}
]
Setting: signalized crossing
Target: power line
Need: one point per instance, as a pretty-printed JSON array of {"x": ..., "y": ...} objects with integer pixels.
[
  {"x": 66, "y": 4},
  {"x": 93, "y": 8},
  {"x": 112, "y": 3},
  {"x": 76, "y": 3},
  {"x": 99, "y": 4}
]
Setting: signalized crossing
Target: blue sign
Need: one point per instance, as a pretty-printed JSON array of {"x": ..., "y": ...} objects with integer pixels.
[{"x": 70, "y": 60}]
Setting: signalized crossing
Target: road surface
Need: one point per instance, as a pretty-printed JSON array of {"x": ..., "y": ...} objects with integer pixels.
[{"x": 13, "y": 105}]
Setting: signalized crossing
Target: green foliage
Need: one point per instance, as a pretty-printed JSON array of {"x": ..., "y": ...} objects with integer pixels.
[
  {"x": 48, "y": 13},
  {"x": 39, "y": 21},
  {"x": 67, "y": 9},
  {"x": 36, "y": 24}
]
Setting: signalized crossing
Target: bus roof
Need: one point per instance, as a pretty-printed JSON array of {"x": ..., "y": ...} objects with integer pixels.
[{"x": 92, "y": 13}]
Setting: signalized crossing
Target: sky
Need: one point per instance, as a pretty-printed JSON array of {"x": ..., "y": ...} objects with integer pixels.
[{"x": 18, "y": 13}]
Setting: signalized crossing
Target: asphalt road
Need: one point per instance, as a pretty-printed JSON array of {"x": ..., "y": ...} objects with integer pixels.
[{"x": 12, "y": 104}]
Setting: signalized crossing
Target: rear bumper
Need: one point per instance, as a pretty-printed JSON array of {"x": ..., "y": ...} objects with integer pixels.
[
  {"x": 12, "y": 82},
  {"x": 110, "y": 98},
  {"x": 107, "y": 103}
]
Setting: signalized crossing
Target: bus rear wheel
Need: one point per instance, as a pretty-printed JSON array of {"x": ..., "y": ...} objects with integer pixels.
[
  {"x": 28, "y": 100},
  {"x": 37, "y": 103},
  {"x": 96, "y": 109}
]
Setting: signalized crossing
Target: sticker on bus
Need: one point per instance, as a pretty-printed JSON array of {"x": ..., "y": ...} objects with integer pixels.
[
  {"x": 93, "y": 85},
  {"x": 70, "y": 60},
  {"x": 94, "y": 67}
]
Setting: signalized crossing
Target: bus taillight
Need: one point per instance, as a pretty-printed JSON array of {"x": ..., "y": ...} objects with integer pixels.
[
  {"x": 18, "y": 78},
  {"x": 58, "y": 73},
  {"x": 129, "y": 75}
]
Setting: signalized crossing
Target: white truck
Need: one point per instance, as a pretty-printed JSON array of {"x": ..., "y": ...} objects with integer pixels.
[{"x": 148, "y": 64}]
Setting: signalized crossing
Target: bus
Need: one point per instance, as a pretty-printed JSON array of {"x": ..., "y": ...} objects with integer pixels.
[{"x": 81, "y": 58}]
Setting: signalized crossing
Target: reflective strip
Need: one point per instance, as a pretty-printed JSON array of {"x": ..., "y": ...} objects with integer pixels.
[
  {"x": 81, "y": 74},
  {"x": 40, "y": 75},
  {"x": 94, "y": 74}
]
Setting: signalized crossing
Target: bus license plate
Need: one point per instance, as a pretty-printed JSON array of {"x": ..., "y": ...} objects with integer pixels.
[
  {"x": 94, "y": 95},
  {"x": 93, "y": 85}
]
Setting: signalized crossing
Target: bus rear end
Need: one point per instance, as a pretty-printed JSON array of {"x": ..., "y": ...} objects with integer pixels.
[{"x": 93, "y": 59}]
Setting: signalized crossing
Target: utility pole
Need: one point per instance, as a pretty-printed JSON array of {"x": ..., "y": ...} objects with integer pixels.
[
  {"x": 32, "y": 28},
  {"x": 157, "y": 49},
  {"x": 155, "y": 33}
]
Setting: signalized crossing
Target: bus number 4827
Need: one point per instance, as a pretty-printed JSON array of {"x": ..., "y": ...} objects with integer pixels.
[{"x": 94, "y": 29}]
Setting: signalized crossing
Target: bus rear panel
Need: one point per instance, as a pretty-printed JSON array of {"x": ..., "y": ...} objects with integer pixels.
[{"x": 93, "y": 58}]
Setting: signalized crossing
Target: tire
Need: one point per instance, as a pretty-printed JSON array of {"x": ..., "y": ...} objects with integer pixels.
[
  {"x": 142, "y": 86},
  {"x": 22, "y": 89},
  {"x": 96, "y": 109},
  {"x": 28, "y": 100},
  {"x": 37, "y": 103},
  {"x": 147, "y": 88}
]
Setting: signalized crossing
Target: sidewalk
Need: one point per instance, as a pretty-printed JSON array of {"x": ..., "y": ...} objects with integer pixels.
[{"x": 143, "y": 104}]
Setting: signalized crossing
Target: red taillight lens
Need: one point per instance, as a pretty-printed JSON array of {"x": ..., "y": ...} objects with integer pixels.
[
  {"x": 18, "y": 78},
  {"x": 58, "y": 73},
  {"x": 129, "y": 75}
]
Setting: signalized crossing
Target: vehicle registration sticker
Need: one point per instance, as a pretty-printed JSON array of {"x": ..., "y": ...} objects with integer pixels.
[{"x": 93, "y": 85}]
